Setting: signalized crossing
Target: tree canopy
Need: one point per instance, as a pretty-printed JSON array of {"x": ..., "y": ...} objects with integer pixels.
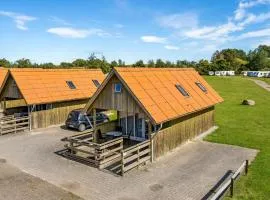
[{"x": 226, "y": 59}]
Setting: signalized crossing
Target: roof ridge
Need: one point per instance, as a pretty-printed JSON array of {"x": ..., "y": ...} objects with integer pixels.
[
  {"x": 153, "y": 68},
  {"x": 57, "y": 69}
]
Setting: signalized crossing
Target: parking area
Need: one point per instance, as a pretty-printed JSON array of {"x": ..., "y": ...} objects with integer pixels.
[{"x": 189, "y": 172}]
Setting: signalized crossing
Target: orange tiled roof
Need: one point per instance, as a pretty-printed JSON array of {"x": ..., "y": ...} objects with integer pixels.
[
  {"x": 40, "y": 86},
  {"x": 155, "y": 89},
  {"x": 3, "y": 73}
]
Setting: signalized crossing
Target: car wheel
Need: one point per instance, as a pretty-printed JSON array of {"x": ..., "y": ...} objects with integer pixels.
[{"x": 82, "y": 127}]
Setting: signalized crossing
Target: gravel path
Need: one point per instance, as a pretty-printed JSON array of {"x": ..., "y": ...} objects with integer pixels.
[
  {"x": 187, "y": 173},
  {"x": 263, "y": 84}
]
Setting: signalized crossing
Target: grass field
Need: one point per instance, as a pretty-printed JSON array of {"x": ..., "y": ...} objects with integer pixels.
[{"x": 246, "y": 126}]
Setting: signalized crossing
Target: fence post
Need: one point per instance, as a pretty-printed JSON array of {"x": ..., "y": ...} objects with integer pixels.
[
  {"x": 122, "y": 163},
  {"x": 15, "y": 124},
  {"x": 246, "y": 167},
  {"x": 151, "y": 148},
  {"x": 29, "y": 118},
  {"x": 231, "y": 187}
]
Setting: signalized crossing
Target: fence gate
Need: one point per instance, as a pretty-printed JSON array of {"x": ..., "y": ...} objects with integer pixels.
[
  {"x": 10, "y": 124},
  {"x": 136, "y": 155}
]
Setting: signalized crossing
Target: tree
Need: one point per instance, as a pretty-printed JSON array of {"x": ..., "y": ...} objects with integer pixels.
[
  {"x": 160, "y": 63},
  {"x": 23, "y": 63},
  {"x": 79, "y": 63},
  {"x": 5, "y": 63},
  {"x": 203, "y": 67},
  {"x": 259, "y": 58},
  {"x": 47, "y": 65},
  {"x": 151, "y": 63},
  {"x": 121, "y": 63},
  {"x": 139, "y": 64},
  {"x": 229, "y": 59},
  {"x": 113, "y": 64},
  {"x": 65, "y": 65}
]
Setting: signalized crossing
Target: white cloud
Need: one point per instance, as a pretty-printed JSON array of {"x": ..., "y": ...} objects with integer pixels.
[
  {"x": 19, "y": 19},
  {"x": 171, "y": 47},
  {"x": 59, "y": 21},
  {"x": 251, "y": 18},
  {"x": 241, "y": 19},
  {"x": 77, "y": 33},
  {"x": 243, "y": 5},
  {"x": 255, "y": 34},
  {"x": 180, "y": 20},
  {"x": 213, "y": 32},
  {"x": 153, "y": 39}
]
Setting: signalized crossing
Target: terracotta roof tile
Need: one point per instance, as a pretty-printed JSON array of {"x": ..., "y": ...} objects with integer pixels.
[
  {"x": 49, "y": 85},
  {"x": 156, "y": 91}
]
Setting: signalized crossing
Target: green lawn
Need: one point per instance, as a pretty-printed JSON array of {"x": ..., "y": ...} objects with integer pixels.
[{"x": 245, "y": 126}]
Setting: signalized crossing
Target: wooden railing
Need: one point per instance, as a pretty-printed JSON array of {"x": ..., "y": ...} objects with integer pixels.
[
  {"x": 10, "y": 124},
  {"x": 134, "y": 156},
  {"x": 101, "y": 155},
  {"x": 229, "y": 184}
]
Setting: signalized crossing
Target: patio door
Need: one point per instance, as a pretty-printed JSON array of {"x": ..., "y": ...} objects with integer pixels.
[{"x": 134, "y": 127}]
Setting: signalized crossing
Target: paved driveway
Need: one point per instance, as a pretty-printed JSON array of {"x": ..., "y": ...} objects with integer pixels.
[{"x": 187, "y": 173}]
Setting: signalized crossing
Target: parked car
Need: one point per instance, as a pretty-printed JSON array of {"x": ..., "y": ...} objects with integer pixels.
[{"x": 77, "y": 120}]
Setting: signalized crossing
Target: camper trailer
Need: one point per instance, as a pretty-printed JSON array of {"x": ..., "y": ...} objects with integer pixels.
[
  {"x": 211, "y": 73},
  {"x": 217, "y": 73}
]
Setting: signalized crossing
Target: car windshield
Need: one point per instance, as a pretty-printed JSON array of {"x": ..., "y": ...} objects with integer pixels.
[{"x": 73, "y": 116}]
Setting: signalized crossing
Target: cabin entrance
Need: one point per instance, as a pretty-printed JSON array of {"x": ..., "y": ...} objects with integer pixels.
[{"x": 133, "y": 127}]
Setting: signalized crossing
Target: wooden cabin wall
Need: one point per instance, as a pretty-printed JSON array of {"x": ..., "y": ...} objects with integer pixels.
[
  {"x": 181, "y": 130},
  {"x": 57, "y": 115},
  {"x": 11, "y": 90},
  {"x": 122, "y": 102},
  {"x": 14, "y": 103}
]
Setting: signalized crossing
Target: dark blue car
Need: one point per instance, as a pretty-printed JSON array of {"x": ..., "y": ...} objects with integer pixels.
[{"x": 77, "y": 120}]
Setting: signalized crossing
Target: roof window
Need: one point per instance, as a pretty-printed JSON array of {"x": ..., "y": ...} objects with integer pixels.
[
  {"x": 182, "y": 90},
  {"x": 71, "y": 85},
  {"x": 201, "y": 86},
  {"x": 97, "y": 84}
]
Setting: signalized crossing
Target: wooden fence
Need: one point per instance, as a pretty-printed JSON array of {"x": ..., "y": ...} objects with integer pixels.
[
  {"x": 57, "y": 115},
  {"x": 135, "y": 155},
  {"x": 10, "y": 124},
  {"x": 181, "y": 131},
  {"x": 101, "y": 155},
  {"x": 229, "y": 184}
]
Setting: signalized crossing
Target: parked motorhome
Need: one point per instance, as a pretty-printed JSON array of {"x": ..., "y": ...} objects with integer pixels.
[
  {"x": 217, "y": 73},
  {"x": 263, "y": 74},
  {"x": 211, "y": 73},
  {"x": 47, "y": 95},
  {"x": 224, "y": 73},
  {"x": 244, "y": 73}
]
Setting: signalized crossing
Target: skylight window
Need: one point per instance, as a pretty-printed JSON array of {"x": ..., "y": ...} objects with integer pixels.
[
  {"x": 117, "y": 87},
  {"x": 71, "y": 85},
  {"x": 201, "y": 86},
  {"x": 182, "y": 90},
  {"x": 97, "y": 84}
]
